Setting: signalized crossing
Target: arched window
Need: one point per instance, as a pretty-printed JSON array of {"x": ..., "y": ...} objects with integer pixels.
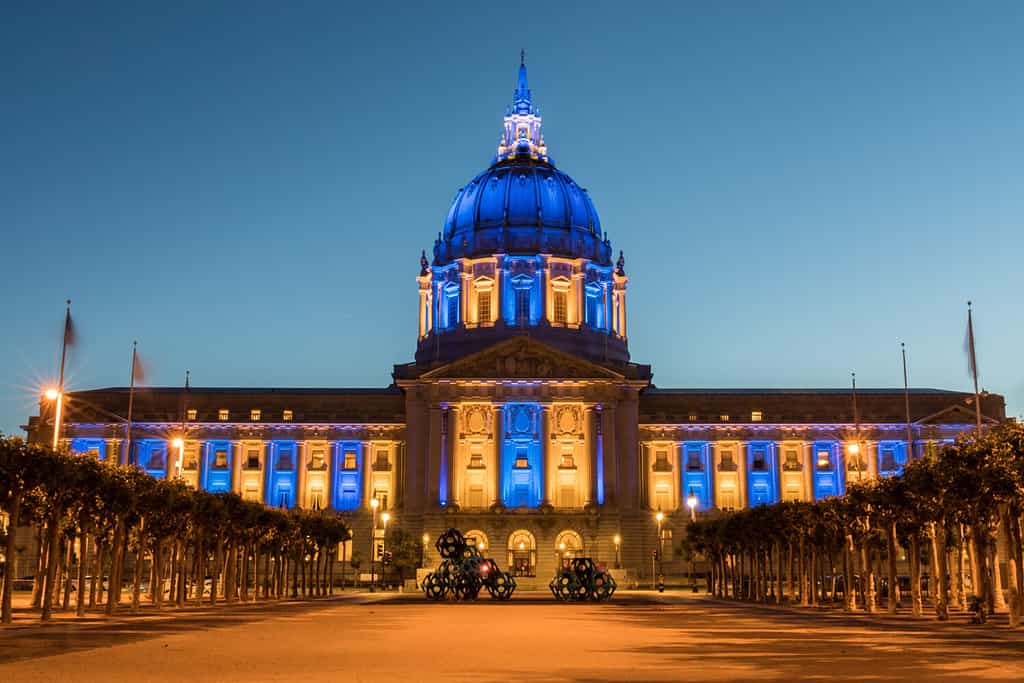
[
  {"x": 568, "y": 544},
  {"x": 522, "y": 553},
  {"x": 479, "y": 538}
]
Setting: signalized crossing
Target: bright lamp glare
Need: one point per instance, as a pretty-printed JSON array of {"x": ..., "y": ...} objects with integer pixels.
[
  {"x": 177, "y": 443},
  {"x": 51, "y": 394}
]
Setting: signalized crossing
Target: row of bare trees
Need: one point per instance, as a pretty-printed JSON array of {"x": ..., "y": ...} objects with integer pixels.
[
  {"x": 102, "y": 529},
  {"x": 954, "y": 517}
]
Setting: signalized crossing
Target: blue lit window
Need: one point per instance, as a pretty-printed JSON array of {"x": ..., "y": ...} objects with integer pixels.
[{"x": 522, "y": 306}]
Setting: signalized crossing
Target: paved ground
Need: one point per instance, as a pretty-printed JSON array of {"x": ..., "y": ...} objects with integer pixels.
[{"x": 639, "y": 636}]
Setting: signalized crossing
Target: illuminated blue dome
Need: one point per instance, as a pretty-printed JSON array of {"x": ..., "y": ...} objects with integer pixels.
[{"x": 522, "y": 204}]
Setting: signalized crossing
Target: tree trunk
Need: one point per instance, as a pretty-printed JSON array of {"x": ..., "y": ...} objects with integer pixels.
[
  {"x": 97, "y": 570},
  {"x": 6, "y": 613},
  {"x": 998, "y": 600},
  {"x": 915, "y": 574},
  {"x": 140, "y": 560},
  {"x": 1012, "y": 587},
  {"x": 958, "y": 589},
  {"x": 892, "y": 595},
  {"x": 83, "y": 554},
  {"x": 938, "y": 534},
  {"x": 116, "y": 566},
  {"x": 39, "y": 579},
  {"x": 69, "y": 547},
  {"x": 868, "y": 576},
  {"x": 53, "y": 558},
  {"x": 849, "y": 589}
]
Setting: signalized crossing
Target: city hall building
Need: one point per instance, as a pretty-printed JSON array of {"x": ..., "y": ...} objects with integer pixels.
[{"x": 522, "y": 420}]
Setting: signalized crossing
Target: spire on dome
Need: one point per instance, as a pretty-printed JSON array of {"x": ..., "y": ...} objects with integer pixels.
[
  {"x": 522, "y": 102},
  {"x": 522, "y": 136}
]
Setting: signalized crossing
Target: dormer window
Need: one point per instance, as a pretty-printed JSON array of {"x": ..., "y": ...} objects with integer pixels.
[
  {"x": 191, "y": 414},
  {"x": 286, "y": 416},
  {"x": 255, "y": 414},
  {"x": 223, "y": 414}
]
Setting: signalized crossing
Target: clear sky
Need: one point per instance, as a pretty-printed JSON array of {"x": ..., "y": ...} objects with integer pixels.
[{"x": 245, "y": 187}]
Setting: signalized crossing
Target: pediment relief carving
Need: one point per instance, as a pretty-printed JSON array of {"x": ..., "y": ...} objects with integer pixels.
[{"x": 522, "y": 358}]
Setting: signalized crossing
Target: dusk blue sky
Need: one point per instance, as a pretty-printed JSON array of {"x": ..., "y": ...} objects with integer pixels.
[{"x": 245, "y": 188}]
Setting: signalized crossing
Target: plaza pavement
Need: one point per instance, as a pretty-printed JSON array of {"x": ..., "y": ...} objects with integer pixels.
[{"x": 640, "y": 636}]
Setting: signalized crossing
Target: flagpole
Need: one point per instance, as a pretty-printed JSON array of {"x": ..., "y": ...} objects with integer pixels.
[
  {"x": 906, "y": 404},
  {"x": 59, "y": 414},
  {"x": 974, "y": 367},
  {"x": 856, "y": 423},
  {"x": 131, "y": 405}
]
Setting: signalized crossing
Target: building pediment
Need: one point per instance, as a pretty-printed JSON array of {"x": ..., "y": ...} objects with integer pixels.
[
  {"x": 521, "y": 358},
  {"x": 955, "y": 414}
]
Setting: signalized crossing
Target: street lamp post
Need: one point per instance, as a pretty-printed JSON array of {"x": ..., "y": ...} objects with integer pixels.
[
  {"x": 55, "y": 397},
  {"x": 660, "y": 517},
  {"x": 423, "y": 550},
  {"x": 691, "y": 502},
  {"x": 383, "y": 551},
  {"x": 617, "y": 540},
  {"x": 374, "y": 504}
]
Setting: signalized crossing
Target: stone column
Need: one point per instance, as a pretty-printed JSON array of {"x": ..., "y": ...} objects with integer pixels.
[
  {"x": 236, "y": 467},
  {"x": 590, "y": 421},
  {"x": 741, "y": 474},
  {"x": 301, "y": 476},
  {"x": 455, "y": 474},
  {"x": 545, "y": 454},
  {"x": 872, "y": 458},
  {"x": 170, "y": 455},
  {"x": 434, "y": 457},
  {"x": 366, "y": 467},
  {"x": 809, "y": 464},
  {"x": 610, "y": 455},
  {"x": 498, "y": 434},
  {"x": 712, "y": 478}
]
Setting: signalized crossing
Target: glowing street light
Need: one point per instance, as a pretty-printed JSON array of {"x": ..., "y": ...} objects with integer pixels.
[
  {"x": 374, "y": 504},
  {"x": 53, "y": 394},
  {"x": 660, "y": 517},
  {"x": 385, "y": 517},
  {"x": 691, "y": 502},
  {"x": 617, "y": 540},
  {"x": 423, "y": 550}
]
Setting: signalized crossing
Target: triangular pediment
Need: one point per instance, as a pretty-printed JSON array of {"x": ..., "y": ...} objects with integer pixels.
[
  {"x": 955, "y": 414},
  {"x": 521, "y": 358}
]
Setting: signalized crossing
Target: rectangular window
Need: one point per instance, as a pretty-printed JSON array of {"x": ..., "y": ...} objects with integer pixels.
[
  {"x": 483, "y": 307},
  {"x": 476, "y": 460},
  {"x": 223, "y": 415},
  {"x": 286, "y": 416},
  {"x": 255, "y": 414},
  {"x": 285, "y": 460},
  {"x": 191, "y": 461},
  {"x": 349, "y": 460},
  {"x": 567, "y": 461},
  {"x": 561, "y": 307},
  {"x": 522, "y": 307},
  {"x": 476, "y": 496},
  {"x": 693, "y": 460},
  {"x": 522, "y": 461},
  {"x": 252, "y": 459},
  {"x": 220, "y": 459},
  {"x": 824, "y": 460},
  {"x": 566, "y": 496},
  {"x": 191, "y": 414},
  {"x": 662, "y": 497},
  {"x": 382, "y": 462},
  {"x": 756, "y": 416},
  {"x": 251, "y": 492},
  {"x": 728, "y": 464},
  {"x": 661, "y": 463},
  {"x": 453, "y": 311},
  {"x": 316, "y": 461},
  {"x": 381, "y": 496},
  {"x": 316, "y": 498},
  {"x": 792, "y": 462},
  {"x": 759, "y": 460}
]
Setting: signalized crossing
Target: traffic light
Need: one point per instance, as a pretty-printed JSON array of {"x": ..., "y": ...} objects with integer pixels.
[
  {"x": 378, "y": 552},
  {"x": 387, "y": 558},
  {"x": 655, "y": 555}
]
